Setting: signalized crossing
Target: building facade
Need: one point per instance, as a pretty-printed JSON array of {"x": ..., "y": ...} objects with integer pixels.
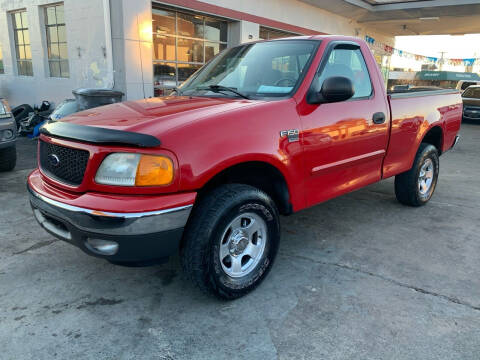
[{"x": 140, "y": 47}]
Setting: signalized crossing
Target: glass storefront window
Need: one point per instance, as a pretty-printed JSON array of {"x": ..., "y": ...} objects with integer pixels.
[
  {"x": 186, "y": 70},
  {"x": 215, "y": 30},
  {"x": 163, "y": 22},
  {"x": 212, "y": 49},
  {"x": 182, "y": 43},
  {"x": 190, "y": 50},
  {"x": 190, "y": 25},
  {"x": 163, "y": 47},
  {"x": 164, "y": 77}
]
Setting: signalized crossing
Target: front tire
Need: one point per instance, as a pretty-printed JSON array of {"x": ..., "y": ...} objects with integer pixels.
[
  {"x": 416, "y": 186},
  {"x": 231, "y": 240},
  {"x": 8, "y": 158}
]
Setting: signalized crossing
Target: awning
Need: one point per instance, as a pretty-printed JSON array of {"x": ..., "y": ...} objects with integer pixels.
[{"x": 446, "y": 75}]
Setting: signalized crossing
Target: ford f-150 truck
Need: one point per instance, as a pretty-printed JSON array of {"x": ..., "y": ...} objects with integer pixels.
[{"x": 263, "y": 129}]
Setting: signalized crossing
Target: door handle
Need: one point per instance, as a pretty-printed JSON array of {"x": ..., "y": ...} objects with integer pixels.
[{"x": 378, "y": 118}]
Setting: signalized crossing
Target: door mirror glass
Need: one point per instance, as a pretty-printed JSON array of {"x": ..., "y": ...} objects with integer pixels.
[{"x": 337, "y": 88}]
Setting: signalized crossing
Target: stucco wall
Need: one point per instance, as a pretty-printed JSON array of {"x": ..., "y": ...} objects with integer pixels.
[
  {"x": 132, "y": 47},
  {"x": 86, "y": 41}
]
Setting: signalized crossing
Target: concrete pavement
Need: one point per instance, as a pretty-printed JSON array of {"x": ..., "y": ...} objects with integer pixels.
[{"x": 359, "y": 277}]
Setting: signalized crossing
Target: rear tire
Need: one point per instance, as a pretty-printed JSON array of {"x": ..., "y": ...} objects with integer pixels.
[
  {"x": 231, "y": 240},
  {"x": 8, "y": 158},
  {"x": 416, "y": 186}
]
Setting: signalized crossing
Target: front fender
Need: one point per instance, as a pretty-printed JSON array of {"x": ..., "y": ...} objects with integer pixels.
[{"x": 209, "y": 146}]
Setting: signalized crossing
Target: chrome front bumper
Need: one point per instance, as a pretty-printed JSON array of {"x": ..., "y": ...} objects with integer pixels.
[
  {"x": 127, "y": 223},
  {"x": 138, "y": 237}
]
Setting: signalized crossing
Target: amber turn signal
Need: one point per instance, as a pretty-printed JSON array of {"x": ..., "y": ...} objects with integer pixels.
[{"x": 154, "y": 171}]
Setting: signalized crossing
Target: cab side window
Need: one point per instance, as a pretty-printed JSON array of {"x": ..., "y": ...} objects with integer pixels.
[{"x": 351, "y": 64}]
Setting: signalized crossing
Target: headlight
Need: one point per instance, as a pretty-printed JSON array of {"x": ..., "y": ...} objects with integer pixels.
[{"x": 125, "y": 169}]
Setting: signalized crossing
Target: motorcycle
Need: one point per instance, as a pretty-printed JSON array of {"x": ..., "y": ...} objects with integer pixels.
[{"x": 35, "y": 119}]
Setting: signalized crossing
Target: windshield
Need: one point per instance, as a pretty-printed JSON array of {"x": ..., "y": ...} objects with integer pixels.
[
  {"x": 265, "y": 69},
  {"x": 472, "y": 93}
]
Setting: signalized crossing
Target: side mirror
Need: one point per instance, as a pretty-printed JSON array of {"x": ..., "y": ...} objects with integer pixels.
[
  {"x": 334, "y": 89},
  {"x": 337, "y": 88}
]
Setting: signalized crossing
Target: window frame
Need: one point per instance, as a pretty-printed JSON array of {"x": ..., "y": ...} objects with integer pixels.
[
  {"x": 17, "y": 45},
  {"x": 349, "y": 45},
  {"x": 48, "y": 43}
]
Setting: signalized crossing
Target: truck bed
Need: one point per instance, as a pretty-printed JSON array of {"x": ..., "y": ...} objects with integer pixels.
[{"x": 412, "y": 112}]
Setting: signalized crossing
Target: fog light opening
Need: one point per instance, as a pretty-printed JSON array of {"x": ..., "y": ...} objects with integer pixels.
[{"x": 102, "y": 247}]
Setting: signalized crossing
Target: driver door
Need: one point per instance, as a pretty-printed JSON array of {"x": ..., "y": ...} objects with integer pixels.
[{"x": 345, "y": 142}]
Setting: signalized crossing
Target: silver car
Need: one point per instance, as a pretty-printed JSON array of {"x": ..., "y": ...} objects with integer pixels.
[{"x": 8, "y": 137}]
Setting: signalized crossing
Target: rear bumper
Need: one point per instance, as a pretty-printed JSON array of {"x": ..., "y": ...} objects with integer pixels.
[{"x": 119, "y": 237}]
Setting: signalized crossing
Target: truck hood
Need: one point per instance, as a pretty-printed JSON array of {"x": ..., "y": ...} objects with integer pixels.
[{"x": 157, "y": 115}]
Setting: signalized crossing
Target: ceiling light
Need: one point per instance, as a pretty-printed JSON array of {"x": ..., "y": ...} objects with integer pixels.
[{"x": 429, "y": 18}]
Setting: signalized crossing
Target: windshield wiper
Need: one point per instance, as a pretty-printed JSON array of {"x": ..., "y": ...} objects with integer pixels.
[{"x": 221, "y": 88}]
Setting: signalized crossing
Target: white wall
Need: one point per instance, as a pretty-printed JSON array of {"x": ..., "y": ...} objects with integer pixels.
[
  {"x": 132, "y": 47},
  {"x": 86, "y": 41},
  {"x": 240, "y": 32}
]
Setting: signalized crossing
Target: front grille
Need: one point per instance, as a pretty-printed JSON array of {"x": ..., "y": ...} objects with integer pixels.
[{"x": 62, "y": 163}]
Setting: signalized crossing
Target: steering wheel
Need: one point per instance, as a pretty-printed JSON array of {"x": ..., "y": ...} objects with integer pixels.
[{"x": 292, "y": 82}]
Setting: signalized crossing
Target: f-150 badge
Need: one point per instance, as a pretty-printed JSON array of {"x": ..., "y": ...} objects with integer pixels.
[{"x": 292, "y": 135}]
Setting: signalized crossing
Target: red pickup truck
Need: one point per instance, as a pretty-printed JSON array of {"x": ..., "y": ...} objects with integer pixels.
[{"x": 263, "y": 129}]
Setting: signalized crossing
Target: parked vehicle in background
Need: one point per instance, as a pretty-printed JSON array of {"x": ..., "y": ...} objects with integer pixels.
[
  {"x": 464, "y": 84},
  {"x": 65, "y": 108},
  {"x": 398, "y": 88},
  {"x": 471, "y": 103},
  {"x": 85, "y": 99},
  {"x": 8, "y": 137},
  {"x": 164, "y": 80},
  {"x": 263, "y": 129}
]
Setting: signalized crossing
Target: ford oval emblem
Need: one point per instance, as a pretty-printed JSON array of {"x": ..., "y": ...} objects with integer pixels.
[{"x": 54, "y": 160}]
